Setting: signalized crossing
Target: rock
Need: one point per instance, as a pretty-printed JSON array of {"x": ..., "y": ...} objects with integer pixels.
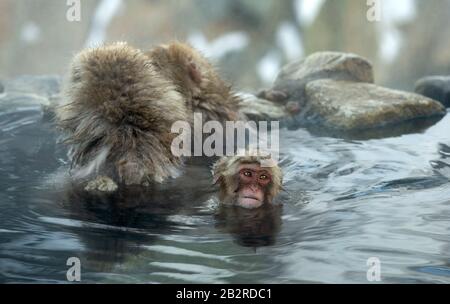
[
  {"x": 260, "y": 109},
  {"x": 435, "y": 87},
  {"x": 323, "y": 65},
  {"x": 335, "y": 94},
  {"x": 352, "y": 106},
  {"x": 17, "y": 101},
  {"x": 46, "y": 85},
  {"x": 40, "y": 92}
]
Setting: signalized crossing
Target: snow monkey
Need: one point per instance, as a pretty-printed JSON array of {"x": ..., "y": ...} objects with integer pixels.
[
  {"x": 244, "y": 182},
  {"x": 119, "y": 106},
  {"x": 197, "y": 81}
]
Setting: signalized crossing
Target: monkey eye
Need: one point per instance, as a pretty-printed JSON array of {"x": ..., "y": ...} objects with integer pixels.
[
  {"x": 248, "y": 173},
  {"x": 263, "y": 176}
]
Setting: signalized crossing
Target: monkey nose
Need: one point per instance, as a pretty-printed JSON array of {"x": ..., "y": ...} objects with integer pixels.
[{"x": 254, "y": 188}]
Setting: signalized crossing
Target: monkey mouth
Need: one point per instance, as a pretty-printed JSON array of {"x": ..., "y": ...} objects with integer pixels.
[
  {"x": 249, "y": 201},
  {"x": 251, "y": 197}
]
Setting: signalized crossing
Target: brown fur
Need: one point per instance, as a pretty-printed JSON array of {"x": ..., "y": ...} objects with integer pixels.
[
  {"x": 116, "y": 100},
  {"x": 197, "y": 80},
  {"x": 225, "y": 174},
  {"x": 120, "y": 104}
]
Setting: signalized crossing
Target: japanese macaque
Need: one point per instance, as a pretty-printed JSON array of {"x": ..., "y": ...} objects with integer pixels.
[
  {"x": 244, "y": 182},
  {"x": 120, "y": 104},
  {"x": 197, "y": 81}
]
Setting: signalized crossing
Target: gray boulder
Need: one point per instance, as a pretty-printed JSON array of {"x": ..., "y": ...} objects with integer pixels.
[
  {"x": 351, "y": 106},
  {"x": 294, "y": 77},
  {"x": 435, "y": 87},
  {"x": 335, "y": 93}
]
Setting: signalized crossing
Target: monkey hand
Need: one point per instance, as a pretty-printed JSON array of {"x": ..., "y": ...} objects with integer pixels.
[{"x": 102, "y": 184}]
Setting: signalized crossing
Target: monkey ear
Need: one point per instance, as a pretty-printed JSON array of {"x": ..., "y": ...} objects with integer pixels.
[{"x": 194, "y": 72}]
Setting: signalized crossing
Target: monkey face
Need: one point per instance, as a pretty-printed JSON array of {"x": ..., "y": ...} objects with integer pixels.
[
  {"x": 253, "y": 184},
  {"x": 244, "y": 182}
]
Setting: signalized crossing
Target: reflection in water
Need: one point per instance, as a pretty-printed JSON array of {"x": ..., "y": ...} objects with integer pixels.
[
  {"x": 112, "y": 218},
  {"x": 251, "y": 228},
  {"x": 121, "y": 214},
  {"x": 346, "y": 200},
  {"x": 442, "y": 166}
]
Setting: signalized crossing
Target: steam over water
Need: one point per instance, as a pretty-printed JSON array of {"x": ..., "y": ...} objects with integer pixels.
[{"x": 345, "y": 202}]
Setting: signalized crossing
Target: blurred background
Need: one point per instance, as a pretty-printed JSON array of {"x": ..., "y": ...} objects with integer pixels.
[{"x": 249, "y": 40}]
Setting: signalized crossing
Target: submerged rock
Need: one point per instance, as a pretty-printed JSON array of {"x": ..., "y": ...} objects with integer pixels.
[
  {"x": 350, "y": 106},
  {"x": 28, "y": 91},
  {"x": 45, "y": 85},
  {"x": 435, "y": 87}
]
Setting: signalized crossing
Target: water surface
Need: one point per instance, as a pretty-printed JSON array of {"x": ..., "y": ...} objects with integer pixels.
[{"x": 345, "y": 202}]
